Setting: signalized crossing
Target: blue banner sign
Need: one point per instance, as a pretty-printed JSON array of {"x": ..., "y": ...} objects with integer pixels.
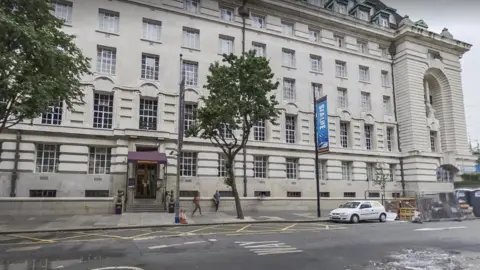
[{"x": 321, "y": 124}]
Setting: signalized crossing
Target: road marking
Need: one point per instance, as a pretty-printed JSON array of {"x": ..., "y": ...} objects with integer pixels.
[
  {"x": 164, "y": 246},
  {"x": 288, "y": 227},
  {"x": 243, "y": 228},
  {"x": 201, "y": 229},
  {"x": 176, "y": 245},
  {"x": 212, "y": 240},
  {"x": 193, "y": 242},
  {"x": 257, "y": 233},
  {"x": 103, "y": 235},
  {"x": 22, "y": 249},
  {"x": 278, "y": 251},
  {"x": 268, "y": 247},
  {"x": 242, "y": 243},
  {"x": 118, "y": 268},
  {"x": 439, "y": 229},
  {"x": 32, "y": 238}
]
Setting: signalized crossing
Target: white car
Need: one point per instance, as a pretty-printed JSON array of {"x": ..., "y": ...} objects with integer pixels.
[{"x": 355, "y": 211}]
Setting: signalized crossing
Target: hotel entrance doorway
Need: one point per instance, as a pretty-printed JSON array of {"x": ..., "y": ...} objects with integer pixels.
[{"x": 146, "y": 185}]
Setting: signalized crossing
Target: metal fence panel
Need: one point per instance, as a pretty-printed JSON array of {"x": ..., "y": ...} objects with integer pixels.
[{"x": 439, "y": 206}]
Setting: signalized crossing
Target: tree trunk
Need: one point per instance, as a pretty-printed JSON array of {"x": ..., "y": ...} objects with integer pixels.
[{"x": 233, "y": 183}]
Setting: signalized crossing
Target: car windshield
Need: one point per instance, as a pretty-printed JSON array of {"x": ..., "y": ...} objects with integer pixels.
[{"x": 350, "y": 205}]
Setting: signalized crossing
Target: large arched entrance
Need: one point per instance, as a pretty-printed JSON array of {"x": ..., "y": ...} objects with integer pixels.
[{"x": 437, "y": 108}]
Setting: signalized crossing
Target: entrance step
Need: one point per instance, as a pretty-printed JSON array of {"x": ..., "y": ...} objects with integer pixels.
[{"x": 145, "y": 205}]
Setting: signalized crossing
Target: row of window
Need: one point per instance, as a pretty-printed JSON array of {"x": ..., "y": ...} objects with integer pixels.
[
  {"x": 50, "y": 193},
  {"x": 106, "y": 56},
  {"x": 149, "y": 67},
  {"x": 368, "y": 136},
  {"x": 361, "y": 12},
  {"x": 109, "y": 22},
  {"x": 48, "y": 158},
  {"x": 148, "y": 118},
  {"x": 289, "y": 60},
  {"x": 99, "y": 162},
  {"x": 188, "y": 167}
]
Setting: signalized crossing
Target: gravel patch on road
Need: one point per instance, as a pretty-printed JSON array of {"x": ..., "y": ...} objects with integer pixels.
[{"x": 426, "y": 259}]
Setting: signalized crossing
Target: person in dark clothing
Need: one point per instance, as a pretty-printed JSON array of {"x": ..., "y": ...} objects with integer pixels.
[{"x": 216, "y": 198}]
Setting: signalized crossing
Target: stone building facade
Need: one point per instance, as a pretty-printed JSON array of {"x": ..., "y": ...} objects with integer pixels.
[{"x": 393, "y": 88}]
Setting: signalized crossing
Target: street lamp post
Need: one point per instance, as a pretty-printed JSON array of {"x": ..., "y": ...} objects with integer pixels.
[
  {"x": 243, "y": 12},
  {"x": 181, "y": 131}
]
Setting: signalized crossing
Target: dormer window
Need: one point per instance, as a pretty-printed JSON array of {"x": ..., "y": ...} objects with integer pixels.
[
  {"x": 318, "y": 3},
  {"x": 362, "y": 15},
  {"x": 383, "y": 21},
  {"x": 340, "y": 7},
  {"x": 381, "y": 18},
  {"x": 361, "y": 11}
]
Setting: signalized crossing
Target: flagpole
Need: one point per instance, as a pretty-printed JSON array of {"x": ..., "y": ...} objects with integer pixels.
[
  {"x": 180, "y": 129},
  {"x": 317, "y": 176}
]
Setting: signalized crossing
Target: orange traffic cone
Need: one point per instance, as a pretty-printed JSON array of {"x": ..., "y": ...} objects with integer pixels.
[{"x": 183, "y": 217}]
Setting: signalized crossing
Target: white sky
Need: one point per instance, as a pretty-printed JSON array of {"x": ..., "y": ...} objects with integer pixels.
[{"x": 463, "y": 21}]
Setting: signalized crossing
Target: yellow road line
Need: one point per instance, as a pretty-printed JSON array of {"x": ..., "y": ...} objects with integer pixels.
[
  {"x": 103, "y": 235},
  {"x": 70, "y": 237},
  {"x": 150, "y": 233},
  {"x": 267, "y": 227},
  {"x": 202, "y": 229},
  {"x": 243, "y": 228},
  {"x": 32, "y": 238},
  {"x": 288, "y": 227},
  {"x": 87, "y": 240}
]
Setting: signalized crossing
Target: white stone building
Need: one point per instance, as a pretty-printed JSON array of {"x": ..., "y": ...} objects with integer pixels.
[{"x": 339, "y": 47}]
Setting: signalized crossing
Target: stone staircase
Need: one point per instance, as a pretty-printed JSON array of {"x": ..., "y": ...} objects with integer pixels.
[{"x": 145, "y": 205}]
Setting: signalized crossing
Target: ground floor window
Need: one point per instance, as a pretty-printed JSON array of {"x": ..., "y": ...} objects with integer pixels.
[
  {"x": 43, "y": 193},
  {"x": 188, "y": 193},
  {"x": 262, "y": 193},
  {"x": 97, "y": 193}
]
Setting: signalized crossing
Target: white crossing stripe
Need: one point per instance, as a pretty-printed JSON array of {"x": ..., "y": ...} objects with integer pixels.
[
  {"x": 268, "y": 247},
  {"x": 193, "y": 242},
  {"x": 164, "y": 246},
  {"x": 176, "y": 245},
  {"x": 439, "y": 229}
]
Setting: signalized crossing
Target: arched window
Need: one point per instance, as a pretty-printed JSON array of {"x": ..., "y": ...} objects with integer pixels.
[{"x": 446, "y": 173}]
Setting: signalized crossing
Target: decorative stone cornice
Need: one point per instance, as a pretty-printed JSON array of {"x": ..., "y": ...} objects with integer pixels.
[{"x": 429, "y": 37}]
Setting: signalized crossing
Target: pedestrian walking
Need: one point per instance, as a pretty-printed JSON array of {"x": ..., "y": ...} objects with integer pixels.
[
  {"x": 196, "y": 202},
  {"x": 216, "y": 199}
]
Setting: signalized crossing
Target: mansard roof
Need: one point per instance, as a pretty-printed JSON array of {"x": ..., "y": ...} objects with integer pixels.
[{"x": 380, "y": 6}]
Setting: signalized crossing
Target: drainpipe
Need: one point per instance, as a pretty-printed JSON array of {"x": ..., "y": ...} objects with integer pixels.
[
  {"x": 13, "y": 180},
  {"x": 392, "y": 51}
]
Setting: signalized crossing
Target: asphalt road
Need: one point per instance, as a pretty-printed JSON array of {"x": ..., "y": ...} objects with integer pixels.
[{"x": 370, "y": 246}]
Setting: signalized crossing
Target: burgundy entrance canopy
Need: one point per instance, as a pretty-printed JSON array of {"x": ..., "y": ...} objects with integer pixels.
[{"x": 154, "y": 156}]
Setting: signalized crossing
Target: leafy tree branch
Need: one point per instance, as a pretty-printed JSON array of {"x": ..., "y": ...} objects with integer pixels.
[
  {"x": 40, "y": 65},
  {"x": 239, "y": 96}
]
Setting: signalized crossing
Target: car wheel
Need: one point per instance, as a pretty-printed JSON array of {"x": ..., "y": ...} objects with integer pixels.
[
  {"x": 354, "y": 219},
  {"x": 382, "y": 217}
]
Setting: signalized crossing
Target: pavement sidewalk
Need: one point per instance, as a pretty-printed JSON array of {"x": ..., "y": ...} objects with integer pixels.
[{"x": 30, "y": 224}]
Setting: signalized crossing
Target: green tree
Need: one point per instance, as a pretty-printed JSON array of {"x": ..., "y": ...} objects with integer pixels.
[
  {"x": 239, "y": 96},
  {"x": 40, "y": 65},
  {"x": 382, "y": 178}
]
